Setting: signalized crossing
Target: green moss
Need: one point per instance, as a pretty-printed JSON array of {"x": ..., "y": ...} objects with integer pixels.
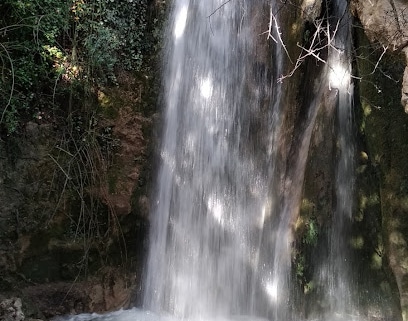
[
  {"x": 376, "y": 261},
  {"x": 357, "y": 242},
  {"x": 309, "y": 287},
  {"x": 300, "y": 266},
  {"x": 108, "y": 104},
  {"x": 307, "y": 206},
  {"x": 312, "y": 232}
]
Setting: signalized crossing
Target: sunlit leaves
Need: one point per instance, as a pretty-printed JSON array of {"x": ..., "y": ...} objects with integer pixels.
[{"x": 46, "y": 45}]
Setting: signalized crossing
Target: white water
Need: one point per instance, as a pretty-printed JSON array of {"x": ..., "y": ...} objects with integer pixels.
[
  {"x": 216, "y": 178},
  {"x": 141, "y": 315}
]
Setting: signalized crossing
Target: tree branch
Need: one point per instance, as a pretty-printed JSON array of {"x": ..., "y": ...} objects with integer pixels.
[{"x": 219, "y": 8}]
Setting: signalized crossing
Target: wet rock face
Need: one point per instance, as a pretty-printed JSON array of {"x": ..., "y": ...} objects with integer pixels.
[
  {"x": 386, "y": 22},
  {"x": 45, "y": 258},
  {"x": 384, "y": 127},
  {"x": 109, "y": 290},
  {"x": 10, "y": 310}
]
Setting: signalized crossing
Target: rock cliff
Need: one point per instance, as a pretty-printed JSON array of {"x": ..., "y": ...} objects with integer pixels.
[{"x": 382, "y": 65}]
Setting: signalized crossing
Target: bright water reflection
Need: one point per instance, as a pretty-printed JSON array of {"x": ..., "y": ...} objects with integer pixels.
[
  {"x": 339, "y": 76},
  {"x": 181, "y": 21},
  {"x": 206, "y": 87}
]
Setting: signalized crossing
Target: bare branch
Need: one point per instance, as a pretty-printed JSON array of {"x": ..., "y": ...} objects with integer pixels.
[
  {"x": 322, "y": 39},
  {"x": 385, "y": 48},
  {"x": 274, "y": 22},
  {"x": 219, "y": 8}
]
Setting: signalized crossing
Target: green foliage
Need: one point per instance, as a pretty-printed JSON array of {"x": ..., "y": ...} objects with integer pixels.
[
  {"x": 299, "y": 266},
  {"x": 312, "y": 232},
  {"x": 112, "y": 34},
  {"x": 27, "y": 74},
  {"x": 50, "y": 48},
  {"x": 131, "y": 32},
  {"x": 302, "y": 256},
  {"x": 100, "y": 53}
]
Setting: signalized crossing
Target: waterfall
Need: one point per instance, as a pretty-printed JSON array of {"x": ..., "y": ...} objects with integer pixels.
[{"x": 230, "y": 179}]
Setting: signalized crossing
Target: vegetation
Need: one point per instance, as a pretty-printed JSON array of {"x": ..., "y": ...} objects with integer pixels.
[
  {"x": 54, "y": 52},
  {"x": 62, "y": 65}
]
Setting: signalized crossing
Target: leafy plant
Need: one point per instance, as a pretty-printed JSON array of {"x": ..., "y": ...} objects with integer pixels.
[
  {"x": 312, "y": 232},
  {"x": 112, "y": 35},
  {"x": 27, "y": 74},
  {"x": 47, "y": 46}
]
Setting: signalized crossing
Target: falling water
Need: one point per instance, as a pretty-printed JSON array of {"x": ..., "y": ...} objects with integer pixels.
[
  {"x": 221, "y": 232},
  {"x": 216, "y": 178},
  {"x": 335, "y": 272}
]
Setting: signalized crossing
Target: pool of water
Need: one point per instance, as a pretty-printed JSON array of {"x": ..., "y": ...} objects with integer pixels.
[{"x": 141, "y": 315}]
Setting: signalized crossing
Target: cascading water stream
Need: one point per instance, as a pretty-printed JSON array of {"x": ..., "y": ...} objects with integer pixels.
[
  {"x": 335, "y": 271},
  {"x": 216, "y": 179}
]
